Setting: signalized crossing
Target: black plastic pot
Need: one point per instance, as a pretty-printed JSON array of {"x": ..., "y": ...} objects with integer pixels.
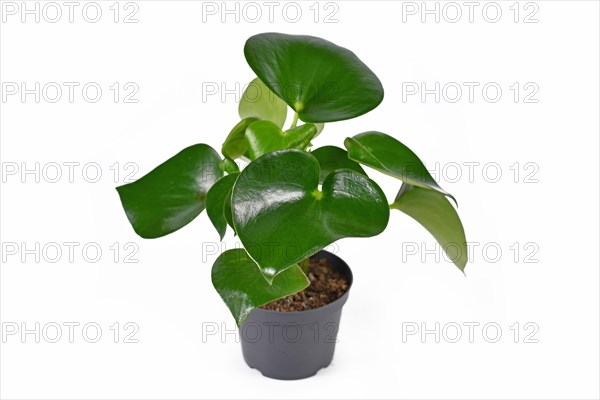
[{"x": 294, "y": 345}]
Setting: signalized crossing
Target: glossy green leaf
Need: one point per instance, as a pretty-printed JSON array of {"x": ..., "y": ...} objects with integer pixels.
[
  {"x": 332, "y": 158},
  {"x": 243, "y": 288},
  {"x": 432, "y": 210},
  {"x": 235, "y": 143},
  {"x": 215, "y": 202},
  {"x": 321, "y": 81},
  {"x": 172, "y": 194},
  {"x": 282, "y": 217},
  {"x": 258, "y": 101},
  {"x": 386, "y": 154},
  {"x": 263, "y": 137}
]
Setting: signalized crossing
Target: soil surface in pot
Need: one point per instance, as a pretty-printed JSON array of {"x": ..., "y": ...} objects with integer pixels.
[{"x": 327, "y": 284}]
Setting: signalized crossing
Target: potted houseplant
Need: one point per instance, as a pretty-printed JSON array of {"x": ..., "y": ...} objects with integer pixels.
[{"x": 291, "y": 201}]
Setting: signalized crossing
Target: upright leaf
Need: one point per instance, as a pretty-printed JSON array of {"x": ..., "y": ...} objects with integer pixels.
[
  {"x": 243, "y": 288},
  {"x": 172, "y": 194},
  {"x": 321, "y": 81},
  {"x": 386, "y": 154},
  {"x": 258, "y": 101},
  {"x": 432, "y": 210},
  {"x": 282, "y": 217}
]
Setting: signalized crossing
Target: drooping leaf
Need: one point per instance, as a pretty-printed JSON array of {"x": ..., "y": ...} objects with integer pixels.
[
  {"x": 433, "y": 210},
  {"x": 235, "y": 143},
  {"x": 172, "y": 194},
  {"x": 332, "y": 158},
  {"x": 215, "y": 202},
  {"x": 243, "y": 288},
  {"x": 386, "y": 154},
  {"x": 319, "y": 80},
  {"x": 258, "y": 101},
  {"x": 282, "y": 217},
  {"x": 263, "y": 137}
]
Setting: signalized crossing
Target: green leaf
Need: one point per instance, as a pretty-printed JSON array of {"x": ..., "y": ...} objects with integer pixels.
[
  {"x": 263, "y": 137},
  {"x": 386, "y": 154},
  {"x": 258, "y": 101},
  {"x": 282, "y": 217},
  {"x": 216, "y": 200},
  {"x": 432, "y": 210},
  {"x": 242, "y": 287},
  {"x": 172, "y": 194},
  {"x": 332, "y": 158},
  {"x": 320, "y": 126},
  {"x": 235, "y": 143},
  {"x": 321, "y": 81},
  {"x": 229, "y": 166},
  {"x": 229, "y": 212}
]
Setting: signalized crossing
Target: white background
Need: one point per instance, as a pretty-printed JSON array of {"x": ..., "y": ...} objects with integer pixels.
[{"x": 549, "y": 278}]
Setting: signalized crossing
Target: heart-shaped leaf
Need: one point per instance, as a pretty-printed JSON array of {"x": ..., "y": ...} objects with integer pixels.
[
  {"x": 332, "y": 158},
  {"x": 386, "y": 154},
  {"x": 243, "y": 288},
  {"x": 282, "y": 217},
  {"x": 321, "y": 81},
  {"x": 263, "y": 137},
  {"x": 172, "y": 194},
  {"x": 432, "y": 210},
  {"x": 258, "y": 101},
  {"x": 215, "y": 202},
  {"x": 235, "y": 143}
]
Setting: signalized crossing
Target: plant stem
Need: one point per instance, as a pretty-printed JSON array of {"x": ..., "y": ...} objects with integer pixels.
[
  {"x": 304, "y": 265},
  {"x": 295, "y": 120}
]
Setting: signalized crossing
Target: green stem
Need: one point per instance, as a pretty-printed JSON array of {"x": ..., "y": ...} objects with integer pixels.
[
  {"x": 295, "y": 120},
  {"x": 304, "y": 265}
]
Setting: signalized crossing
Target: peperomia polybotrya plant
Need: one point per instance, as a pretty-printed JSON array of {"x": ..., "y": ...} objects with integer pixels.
[{"x": 291, "y": 200}]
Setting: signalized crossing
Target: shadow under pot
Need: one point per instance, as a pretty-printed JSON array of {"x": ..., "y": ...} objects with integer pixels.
[{"x": 297, "y": 344}]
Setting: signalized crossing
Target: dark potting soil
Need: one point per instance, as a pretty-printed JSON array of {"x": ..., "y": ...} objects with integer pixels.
[{"x": 327, "y": 284}]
